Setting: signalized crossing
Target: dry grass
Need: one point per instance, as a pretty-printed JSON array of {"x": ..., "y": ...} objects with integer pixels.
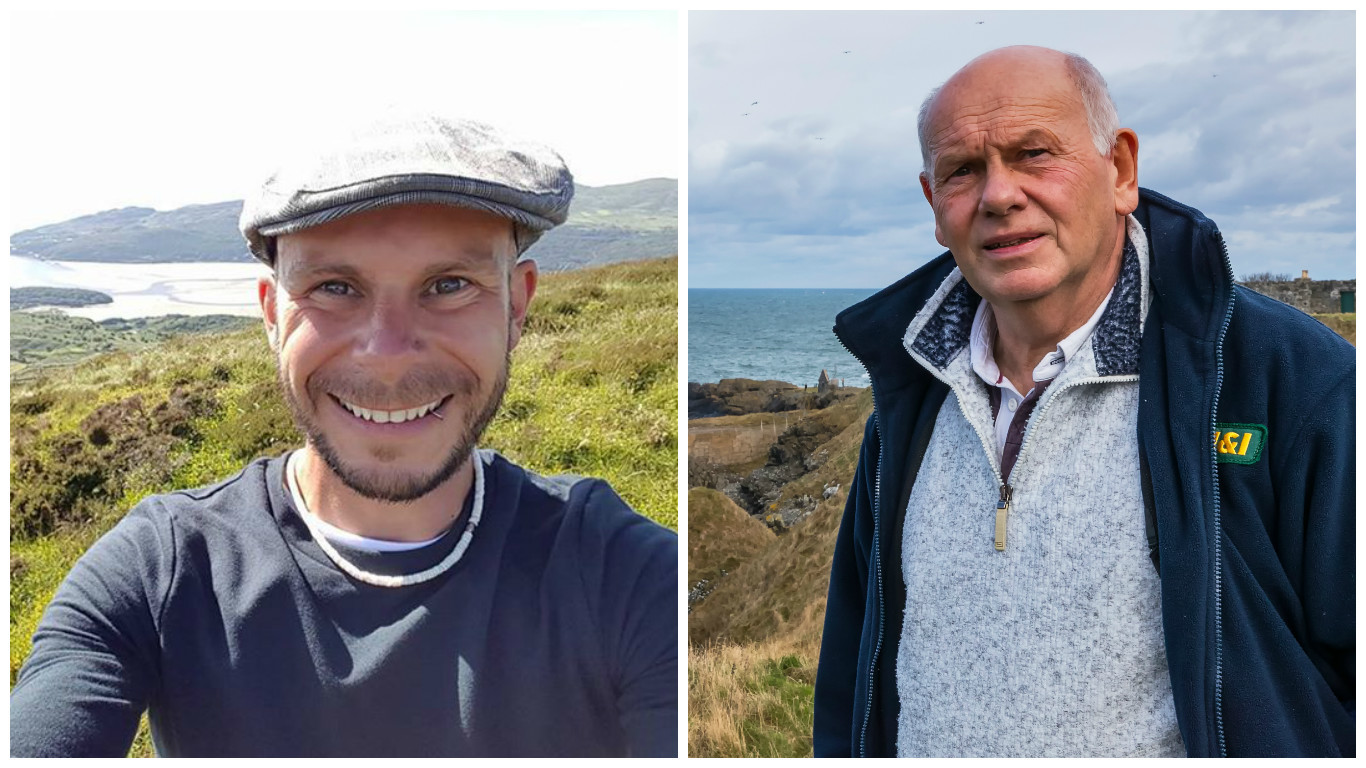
[
  {"x": 752, "y": 700},
  {"x": 721, "y": 535},
  {"x": 755, "y": 640},
  {"x": 1343, "y": 324},
  {"x": 775, "y": 591},
  {"x": 736, "y": 443}
]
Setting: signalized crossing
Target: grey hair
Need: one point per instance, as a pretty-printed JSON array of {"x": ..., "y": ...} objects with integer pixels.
[{"x": 1102, "y": 118}]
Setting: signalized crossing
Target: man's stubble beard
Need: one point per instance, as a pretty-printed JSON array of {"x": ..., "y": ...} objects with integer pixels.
[{"x": 389, "y": 487}]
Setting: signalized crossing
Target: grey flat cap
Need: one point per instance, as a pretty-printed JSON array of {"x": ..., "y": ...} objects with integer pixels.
[{"x": 408, "y": 160}]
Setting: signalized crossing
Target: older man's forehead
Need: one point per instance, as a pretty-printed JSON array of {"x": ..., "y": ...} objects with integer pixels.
[{"x": 995, "y": 119}]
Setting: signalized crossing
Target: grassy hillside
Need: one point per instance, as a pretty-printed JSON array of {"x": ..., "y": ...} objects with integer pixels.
[
  {"x": 648, "y": 204},
  {"x": 593, "y": 392},
  {"x": 754, "y": 641},
  {"x": 737, "y": 443},
  {"x": 41, "y": 340},
  {"x": 772, "y": 592},
  {"x": 192, "y": 233},
  {"x": 721, "y": 537}
]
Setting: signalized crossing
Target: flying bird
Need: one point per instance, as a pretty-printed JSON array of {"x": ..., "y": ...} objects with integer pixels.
[
  {"x": 752, "y": 103},
  {"x": 981, "y": 22},
  {"x": 846, "y": 51}
]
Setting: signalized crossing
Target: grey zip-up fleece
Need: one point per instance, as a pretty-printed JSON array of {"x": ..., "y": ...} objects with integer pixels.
[{"x": 1053, "y": 645}]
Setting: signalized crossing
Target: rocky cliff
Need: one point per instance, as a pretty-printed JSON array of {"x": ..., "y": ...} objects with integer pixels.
[{"x": 735, "y": 397}]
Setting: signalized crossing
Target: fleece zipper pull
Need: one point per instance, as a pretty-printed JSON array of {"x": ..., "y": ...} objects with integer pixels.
[{"x": 1002, "y": 510}]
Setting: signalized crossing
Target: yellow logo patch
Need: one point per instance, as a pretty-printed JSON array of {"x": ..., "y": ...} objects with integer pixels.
[{"x": 1239, "y": 443}]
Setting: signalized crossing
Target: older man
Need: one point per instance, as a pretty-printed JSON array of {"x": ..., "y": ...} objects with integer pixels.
[
  {"x": 389, "y": 589},
  {"x": 1105, "y": 503}
]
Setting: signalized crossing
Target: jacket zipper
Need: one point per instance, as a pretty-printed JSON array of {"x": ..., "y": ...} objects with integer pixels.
[
  {"x": 877, "y": 570},
  {"x": 1002, "y": 511},
  {"x": 876, "y": 559},
  {"x": 1214, "y": 469},
  {"x": 1007, "y": 491}
]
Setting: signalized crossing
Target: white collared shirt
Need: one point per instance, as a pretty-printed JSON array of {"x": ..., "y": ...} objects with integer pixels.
[{"x": 984, "y": 361}]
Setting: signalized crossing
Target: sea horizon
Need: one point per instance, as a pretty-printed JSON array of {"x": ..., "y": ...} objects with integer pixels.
[{"x": 783, "y": 334}]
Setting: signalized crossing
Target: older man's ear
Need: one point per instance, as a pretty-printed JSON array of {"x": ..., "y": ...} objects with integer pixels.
[
  {"x": 929, "y": 198},
  {"x": 1125, "y": 159}
]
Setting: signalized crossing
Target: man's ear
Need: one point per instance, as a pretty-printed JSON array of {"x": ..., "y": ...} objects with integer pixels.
[
  {"x": 929, "y": 198},
  {"x": 521, "y": 286},
  {"x": 265, "y": 293},
  {"x": 1125, "y": 159}
]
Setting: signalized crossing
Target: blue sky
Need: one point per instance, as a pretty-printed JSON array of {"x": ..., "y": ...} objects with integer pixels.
[
  {"x": 115, "y": 106},
  {"x": 1249, "y": 117}
]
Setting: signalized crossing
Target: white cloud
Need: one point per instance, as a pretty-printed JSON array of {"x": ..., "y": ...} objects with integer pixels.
[
  {"x": 165, "y": 107},
  {"x": 1247, "y": 116}
]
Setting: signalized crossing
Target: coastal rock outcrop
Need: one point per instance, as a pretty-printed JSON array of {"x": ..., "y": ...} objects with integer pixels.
[
  {"x": 736, "y": 397},
  {"x": 755, "y": 458}
]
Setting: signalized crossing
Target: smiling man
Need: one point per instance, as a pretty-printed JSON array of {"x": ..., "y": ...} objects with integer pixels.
[
  {"x": 1105, "y": 504},
  {"x": 372, "y": 317},
  {"x": 389, "y": 589}
]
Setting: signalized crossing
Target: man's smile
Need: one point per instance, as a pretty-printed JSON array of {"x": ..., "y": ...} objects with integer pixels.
[{"x": 395, "y": 416}]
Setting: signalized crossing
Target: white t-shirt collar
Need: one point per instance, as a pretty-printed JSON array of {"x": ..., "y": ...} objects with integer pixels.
[{"x": 347, "y": 538}]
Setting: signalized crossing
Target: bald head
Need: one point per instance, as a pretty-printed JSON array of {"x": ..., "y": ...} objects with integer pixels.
[{"x": 1029, "y": 66}]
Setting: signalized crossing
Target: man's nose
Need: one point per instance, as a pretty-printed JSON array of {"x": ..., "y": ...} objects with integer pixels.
[
  {"x": 1001, "y": 192},
  {"x": 392, "y": 330}
]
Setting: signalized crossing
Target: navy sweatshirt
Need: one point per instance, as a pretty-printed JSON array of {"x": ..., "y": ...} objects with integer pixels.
[{"x": 555, "y": 634}]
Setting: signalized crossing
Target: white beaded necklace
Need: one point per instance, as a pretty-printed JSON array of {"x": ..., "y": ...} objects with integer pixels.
[{"x": 381, "y": 580}]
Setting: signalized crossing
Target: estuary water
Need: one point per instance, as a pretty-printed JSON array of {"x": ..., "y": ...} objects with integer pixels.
[
  {"x": 148, "y": 290},
  {"x": 770, "y": 333}
]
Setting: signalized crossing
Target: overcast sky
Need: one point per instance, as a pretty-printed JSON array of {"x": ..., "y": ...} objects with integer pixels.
[
  {"x": 163, "y": 108},
  {"x": 1249, "y": 117}
]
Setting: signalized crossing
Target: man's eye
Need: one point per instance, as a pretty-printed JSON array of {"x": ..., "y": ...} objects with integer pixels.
[
  {"x": 961, "y": 170},
  {"x": 447, "y": 285},
  {"x": 336, "y": 288},
  {"x": 1031, "y": 153}
]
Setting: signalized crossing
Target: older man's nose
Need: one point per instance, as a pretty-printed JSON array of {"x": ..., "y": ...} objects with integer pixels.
[{"x": 1001, "y": 192}]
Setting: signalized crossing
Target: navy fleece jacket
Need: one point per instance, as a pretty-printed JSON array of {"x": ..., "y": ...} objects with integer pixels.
[{"x": 1257, "y": 559}]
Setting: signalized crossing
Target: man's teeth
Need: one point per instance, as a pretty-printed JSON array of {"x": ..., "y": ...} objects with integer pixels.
[
  {"x": 390, "y": 417},
  {"x": 1007, "y": 245}
]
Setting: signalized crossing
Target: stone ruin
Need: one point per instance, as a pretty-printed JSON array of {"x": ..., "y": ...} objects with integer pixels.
[{"x": 1314, "y": 297}]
